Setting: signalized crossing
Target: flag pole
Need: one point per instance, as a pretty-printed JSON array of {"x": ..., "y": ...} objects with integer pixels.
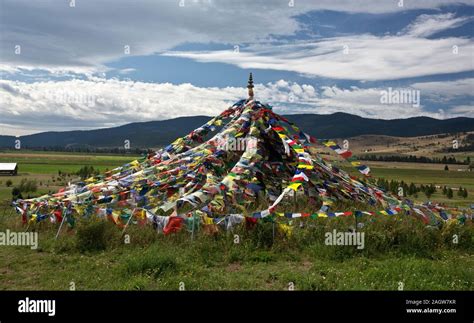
[
  {"x": 192, "y": 230},
  {"x": 61, "y": 225},
  {"x": 273, "y": 229},
  {"x": 126, "y": 225}
]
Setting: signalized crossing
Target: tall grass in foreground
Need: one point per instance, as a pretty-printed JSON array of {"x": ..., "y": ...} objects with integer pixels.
[
  {"x": 95, "y": 255},
  {"x": 396, "y": 234}
]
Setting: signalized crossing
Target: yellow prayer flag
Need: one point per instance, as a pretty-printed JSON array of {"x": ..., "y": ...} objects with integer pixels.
[
  {"x": 33, "y": 218},
  {"x": 115, "y": 216},
  {"x": 294, "y": 186},
  {"x": 207, "y": 220}
]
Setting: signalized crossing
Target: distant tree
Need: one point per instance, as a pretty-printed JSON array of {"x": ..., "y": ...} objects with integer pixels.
[
  {"x": 429, "y": 190},
  {"x": 86, "y": 172},
  {"x": 450, "y": 193},
  {"x": 446, "y": 167},
  {"x": 16, "y": 194},
  {"x": 8, "y": 183},
  {"x": 27, "y": 186}
]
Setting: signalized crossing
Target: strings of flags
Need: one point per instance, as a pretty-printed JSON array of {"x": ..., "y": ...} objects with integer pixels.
[{"x": 214, "y": 175}]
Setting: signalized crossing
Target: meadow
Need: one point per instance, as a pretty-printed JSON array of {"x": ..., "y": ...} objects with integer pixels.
[
  {"x": 45, "y": 167},
  {"x": 400, "y": 252},
  {"x": 439, "y": 177}
]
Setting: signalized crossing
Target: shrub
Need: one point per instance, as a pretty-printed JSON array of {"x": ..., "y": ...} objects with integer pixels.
[
  {"x": 16, "y": 193},
  {"x": 401, "y": 234},
  {"x": 91, "y": 236},
  {"x": 142, "y": 236},
  {"x": 262, "y": 235},
  {"x": 27, "y": 186},
  {"x": 458, "y": 236}
]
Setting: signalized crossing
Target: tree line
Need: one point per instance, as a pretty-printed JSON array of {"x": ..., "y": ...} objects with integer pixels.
[
  {"x": 405, "y": 189},
  {"x": 88, "y": 149},
  {"x": 416, "y": 159}
]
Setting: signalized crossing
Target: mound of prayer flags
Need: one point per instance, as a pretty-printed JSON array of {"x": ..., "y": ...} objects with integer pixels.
[{"x": 218, "y": 173}]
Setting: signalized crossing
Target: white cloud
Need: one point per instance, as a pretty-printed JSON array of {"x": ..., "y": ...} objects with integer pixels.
[
  {"x": 463, "y": 111},
  {"x": 427, "y": 25},
  {"x": 85, "y": 37},
  {"x": 461, "y": 87},
  {"x": 98, "y": 103},
  {"x": 359, "y": 57},
  {"x": 367, "y": 103},
  {"x": 54, "y": 36}
]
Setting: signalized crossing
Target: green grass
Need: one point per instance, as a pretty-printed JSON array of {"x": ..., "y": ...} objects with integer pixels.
[
  {"x": 44, "y": 166},
  {"x": 422, "y": 176},
  {"x": 452, "y": 179},
  {"x": 156, "y": 262},
  {"x": 50, "y": 162},
  {"x": 52, "y": 168}
]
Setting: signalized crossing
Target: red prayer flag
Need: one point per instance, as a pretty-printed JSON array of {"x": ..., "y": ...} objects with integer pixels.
[
  {"x": 174, "y": 225},
  {"x": 250, "y": 222},
  {"x": 58, "y": 215}
]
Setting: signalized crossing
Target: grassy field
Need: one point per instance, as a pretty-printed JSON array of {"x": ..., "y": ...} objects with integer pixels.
[
  {"x": 428, "y": 146},
  {"x": 418, "y": 174},
  {"x": 398, "y": 250},
  {"x": 453, "y": 179},
  {"x": 50, "y": 162},
  {"x": 44, "y": 167}
]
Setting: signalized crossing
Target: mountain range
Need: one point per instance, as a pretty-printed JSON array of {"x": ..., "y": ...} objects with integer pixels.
[{"x": 154, "y": 134}]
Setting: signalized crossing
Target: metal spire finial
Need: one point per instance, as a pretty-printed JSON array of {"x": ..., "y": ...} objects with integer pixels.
[{"x": 250, "y": 86}]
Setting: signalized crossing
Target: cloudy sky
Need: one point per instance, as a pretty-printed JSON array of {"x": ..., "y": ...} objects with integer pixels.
[{"x": 83, "y": 64}]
